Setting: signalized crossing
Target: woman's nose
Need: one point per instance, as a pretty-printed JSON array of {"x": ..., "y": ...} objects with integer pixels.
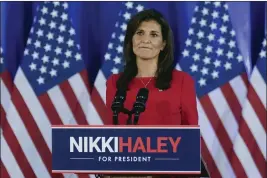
[{"x": 146, "y": 39}]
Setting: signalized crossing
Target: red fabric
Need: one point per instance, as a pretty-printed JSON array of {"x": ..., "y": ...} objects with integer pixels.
[{"x": 175, "y": 106}]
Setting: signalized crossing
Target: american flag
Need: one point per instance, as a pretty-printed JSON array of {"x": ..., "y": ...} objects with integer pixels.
[
  {"x": 7, "y": 140},
  {"x": 113, "y": 61},
  {"x": 213, "y": 59},
  {"x": 254, "y": 114},
  {"x": 50, "y": 87}
]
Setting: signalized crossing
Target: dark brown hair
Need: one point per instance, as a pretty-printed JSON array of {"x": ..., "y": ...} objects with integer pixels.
[{"x": 165, "y": 62}]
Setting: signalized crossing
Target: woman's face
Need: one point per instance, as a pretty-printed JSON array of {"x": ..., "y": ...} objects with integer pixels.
[{"x": 148, "y": 41}]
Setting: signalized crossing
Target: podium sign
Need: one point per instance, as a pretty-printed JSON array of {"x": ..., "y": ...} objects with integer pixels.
[{"x": 126, "y": 149}]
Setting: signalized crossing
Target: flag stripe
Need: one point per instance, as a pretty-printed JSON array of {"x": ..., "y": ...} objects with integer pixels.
[
  {"x": 258, "y": 106},
  {"x": 7, "y": 80},
  {"x": 81, "y": 92},
  {"x": 256, "y": 128},
  {"x": 15, "y": 148},
  {"x": 100, "y": 85},
  {"x": 5, "y": 95},
  {"x": 259, "y": 85},
  {"x": 213, "y": 145},
  {"x": 32, "y": 128},
  {"x": 211, "y": 166},
  {"x": 61, "y": 106},
  {"x": 221, "y": 134},
  {"x": 3, "y": 171},
  {"x": 257, "y": 156},
  {"x": 245, "y": 158},
  {"x": 9, "y": 160},
  {"x": 49, "y": 109},
  {"x": 99, "y": 105},
  {"x": 27, "y": 144},
  {"x": 100, "y": 113},
  {"x": 239, "y": 87},
  {"x": 247, "y": 136},
  {"x": 32, "y": 108},
  {"x": 224, "y": 112},
  {"x": 73, "y": 103}
]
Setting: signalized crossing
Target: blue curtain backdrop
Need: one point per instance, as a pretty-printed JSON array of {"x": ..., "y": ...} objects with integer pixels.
[{"x": 94, "y": 23}]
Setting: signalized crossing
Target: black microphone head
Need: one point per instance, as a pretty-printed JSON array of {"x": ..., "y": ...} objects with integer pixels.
[
  {"x": 118, "y": 101},
  {"x": 142, "y": 95},
  {"x": 141, "y": 99}
]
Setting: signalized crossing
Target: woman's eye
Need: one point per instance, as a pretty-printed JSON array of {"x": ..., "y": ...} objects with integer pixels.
[
  {"x": 154, "y": 35},
  {"x": 139, "y": 33}
]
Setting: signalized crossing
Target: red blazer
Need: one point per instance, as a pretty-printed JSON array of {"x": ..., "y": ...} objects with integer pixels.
[{"x": 175, "y": 106}]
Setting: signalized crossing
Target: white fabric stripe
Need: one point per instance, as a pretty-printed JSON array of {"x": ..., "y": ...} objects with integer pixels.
[
  {"x": 26, "y": 143},
  {"x": 5, "y": 95},
  {"x": 245, "y": 158},
  {"x": 215, "y": 149},
  {"x": 259, "y": 85},
  {"x": 231, "y": 126},
  {"x": 83, "y": 96},
  {"x": 100, "y": 85},
  {"x": 9, "y": 160},
  {"x": 224, "y": 112},
  {"x": 34, "y": 106},
  {"x": 239, "y": 89},
  {"x": 255, "y": 126},
  {"x": 61, "y": 106}
]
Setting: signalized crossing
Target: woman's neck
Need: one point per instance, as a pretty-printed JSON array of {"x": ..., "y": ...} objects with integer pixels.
[{"x": 146, "y": 68}]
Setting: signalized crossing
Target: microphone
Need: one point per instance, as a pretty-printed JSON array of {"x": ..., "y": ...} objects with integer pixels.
[
  {"x": 117, "y": 105},
  {"x": 140, "y": 104}
]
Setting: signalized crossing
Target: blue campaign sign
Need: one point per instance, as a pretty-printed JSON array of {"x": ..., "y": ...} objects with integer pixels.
[{"x": 126, "y": 149}]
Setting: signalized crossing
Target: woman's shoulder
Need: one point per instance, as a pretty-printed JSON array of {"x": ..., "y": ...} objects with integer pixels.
[
  {"x": 181, "y": 76},
  {"x": 112, "y": 79}
]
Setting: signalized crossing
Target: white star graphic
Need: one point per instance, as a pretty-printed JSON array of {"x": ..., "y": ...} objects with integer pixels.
[
  {"x": 194, "y": 68},
  {"x": 55, "y": 61},
  {"x": 78, "y": 57},
  {"x": 52, "y": 24},
  {"x": 188, "y": 42},
  {"x": 208, "y": 49},
  {"x": 70, "y": 42},
  {"x": 40, "y": 80},
  {"x": 40, "y": 33},
  {"x": 202, "y": 82},
  {"x": 207, "y": 60},
  {"x": 117, "y": 60},
  {"x": 45, "y": 59},
  {"x": 215, "y": 74},
  {"x": 50, "y": 36},
  {"x": 115, "y": 70},
  {"x": 127, "y": 15},
  {"x": 68, "y": 54},
  {"x": 54, "y": 13},
  {"x": 32, "y": 66},
  {"x": 129, "y": 5},
  {"x": 185, "y": 53},
  {"x": 43, "y": 69},
  {"x": 204, "y": 71},
  {"x": 53, "y": 73},
  {"x": 110, "y": 46},
  {"x": 107, "y": 56},
  {"x": 66, "y": 64},
  {"x": 227, "y": 66},
  {"x": 47, "y": 47},
  {"x": 139, "y": 8},
  {"x": 217, "y": 63}
]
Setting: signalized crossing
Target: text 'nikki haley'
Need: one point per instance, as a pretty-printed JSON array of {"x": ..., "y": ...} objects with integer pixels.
[{"x": 122, "y": 144}]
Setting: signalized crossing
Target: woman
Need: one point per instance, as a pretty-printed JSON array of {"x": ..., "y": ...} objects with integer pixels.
[{"x": 148, "y": 52}]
